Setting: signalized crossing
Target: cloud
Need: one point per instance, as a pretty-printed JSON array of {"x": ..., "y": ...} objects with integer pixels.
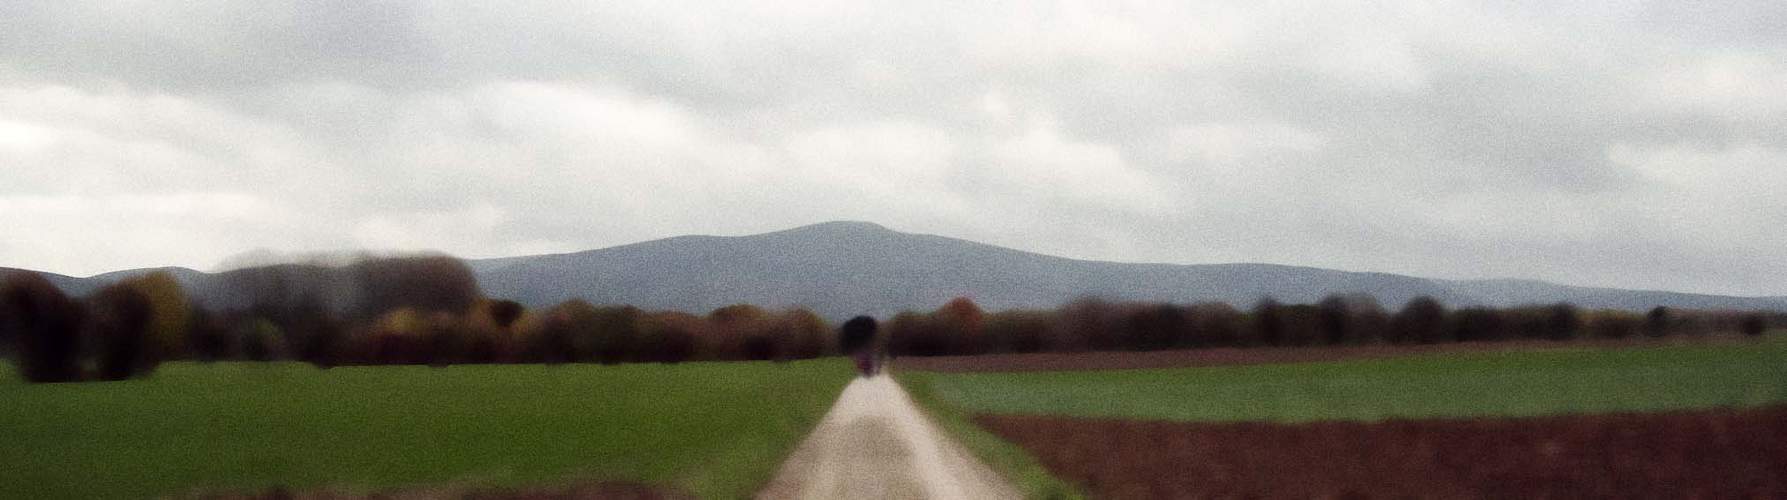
[{"x": 1624, "y": 144}]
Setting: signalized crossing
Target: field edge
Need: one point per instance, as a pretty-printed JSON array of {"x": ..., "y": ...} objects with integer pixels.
[{"x": 1008, "y": 459}]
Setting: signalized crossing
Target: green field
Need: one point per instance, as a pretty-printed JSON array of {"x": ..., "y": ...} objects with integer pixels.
[
  {"x": 1460, "y": 385},
  {"x": 716, "y": 429}
]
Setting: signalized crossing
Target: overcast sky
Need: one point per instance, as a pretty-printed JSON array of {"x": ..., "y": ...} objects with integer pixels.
[{"x": 1620, "y": 143}]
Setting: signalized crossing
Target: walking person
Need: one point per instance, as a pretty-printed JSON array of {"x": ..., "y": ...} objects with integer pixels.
[{"x": 857, "y": 339}]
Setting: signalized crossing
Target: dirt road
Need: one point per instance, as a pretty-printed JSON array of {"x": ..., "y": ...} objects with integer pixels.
[{"x": 874, "y": 443}]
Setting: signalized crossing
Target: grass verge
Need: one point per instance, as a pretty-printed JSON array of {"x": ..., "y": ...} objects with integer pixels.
[
  {"x": 716, "y": 430},
  {"x": 1510, "y": 384},
  {"x": 1008, "y": 459}
]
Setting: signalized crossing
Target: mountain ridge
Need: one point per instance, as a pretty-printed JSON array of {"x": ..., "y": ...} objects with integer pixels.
[{"x": 843, "y": 268}]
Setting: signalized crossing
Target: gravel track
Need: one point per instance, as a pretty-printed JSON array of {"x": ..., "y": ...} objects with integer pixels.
[{"x": 875, "y": 443}]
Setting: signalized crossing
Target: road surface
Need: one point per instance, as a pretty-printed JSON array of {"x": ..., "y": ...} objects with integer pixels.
[{"x": 874, "y": 443}]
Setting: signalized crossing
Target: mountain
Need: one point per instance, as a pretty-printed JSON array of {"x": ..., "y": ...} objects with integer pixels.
[{"x": 846, "y": 268}]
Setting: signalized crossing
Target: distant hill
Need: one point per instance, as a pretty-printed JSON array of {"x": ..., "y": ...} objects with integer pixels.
[{"x": 845, "y": 268}]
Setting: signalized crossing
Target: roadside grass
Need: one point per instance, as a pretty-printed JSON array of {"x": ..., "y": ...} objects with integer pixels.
[
  {"x": 1010, "y": 460},
  {"x": 1479, "y": 384},
  {"x": 718, "y": 430}
]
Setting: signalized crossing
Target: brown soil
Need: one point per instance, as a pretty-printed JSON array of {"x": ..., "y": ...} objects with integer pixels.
[
  {"x": 1709, "y": 454},
  {"x": 1081, "y": 361}
]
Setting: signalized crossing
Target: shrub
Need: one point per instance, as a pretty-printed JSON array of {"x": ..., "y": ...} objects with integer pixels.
[
  {"x": 1753, "y": 324},
  {"x": 399, "y": 337},
  {"x": 1333, "y": 318},
  {"x": 805, "y": 333},
  {"x": 545, "y": 336},
  {"x": 490, "y": 331},
  {"x": 503, "y": 313},
  {"x": 669, "y": 337},
  {"x": 44, "y": 324},
  {"x": 1562, "y": 322},
  {"x": 1476, "y": 324},
  {"x": 426, "y": 283},
  {"x": 319, "y": 342},
  {"x": 262, "y": 340},
  {"x": 1613, "y": 324},
  {"x": 1019, "y": 331},
  {"x": 208, "y": 337},
  {"x": 1658, "y": 321},
  {"x": 961, "y": 324},
  {"x": 1089, "y": 323},
  {"x": 1421, "y": 320},
  {"x": 1157, "y": 326},
  {"x": 446, "y": 339},
  {"x": 1218, "y": 325},
  {"x": 1268, "y": 322},
  {"x": 615, "y": 333},
  {"x": 908, "y": 334},
  {"x": 120, "y": 324},
  {"x": 740, "y": 332},
  {"x": 1300, "y": 324},
  {"x": 169, "y": 312}
]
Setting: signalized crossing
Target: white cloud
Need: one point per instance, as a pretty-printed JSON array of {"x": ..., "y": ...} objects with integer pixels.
[
  {"x": 1446, "y": 138},
  {"x": 1041, "y": 164},
  {"x": 1742, "y": 86}
]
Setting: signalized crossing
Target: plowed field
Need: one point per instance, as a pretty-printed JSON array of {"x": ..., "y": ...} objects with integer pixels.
[{"x": 1701, "y": 454}]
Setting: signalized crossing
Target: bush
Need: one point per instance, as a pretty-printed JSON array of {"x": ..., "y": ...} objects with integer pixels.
[
  {"x": 400, "y": 337},
  {"x": 615, "y": 333},
  {"x": 319, "y": 342},
  {"x": 120, "y": 324},
  {"x": 961, "y": 323},
  {"x": 490, "y": 331},
  {"x": 545, "y": 336},
  {"x": 1753, "y": 324},
  {"x": 208, "y": 337},
  {"x": 1614, "y": 324},
  {"x": 1301, "y": 324},
  {"x": 1218, "y": 325},
  {"x": 804, "y": 332},
  {"x": 261, "y": 340},
  {"x": 44, "y": 324},
  {"x": 503, "y": 313},
  {"x": 741, "y": 331},
  {"x": 1157, "y": 326},
  {"x": 1019, "y": 331},
  {"x": 1421, "y": 320},
  {"x": 669, "y": 337},
  {"x": 1268, "y": 322},
  {"x": 1658, "y": 321},
  {"x": 1089, "y": 323},
  {"x": 427, "y": 284},
  {"x": 446, "y": 339},
  {"x": 1477, "y": 324},
  {"x": 169, "y": 312},
  {"x": 1333, "y": 318},
  {"x": 908, "y": 334},
  {"x": 1562, "y": 322}
]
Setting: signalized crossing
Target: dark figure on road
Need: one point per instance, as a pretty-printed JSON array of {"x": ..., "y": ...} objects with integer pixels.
[{"x": 857, "y": 338}]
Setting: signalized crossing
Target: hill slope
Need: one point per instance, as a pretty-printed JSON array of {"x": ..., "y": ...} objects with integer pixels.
[{"x": 845, "y": 268}]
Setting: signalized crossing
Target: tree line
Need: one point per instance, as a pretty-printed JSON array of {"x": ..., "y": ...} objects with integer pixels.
[
  {"x": 404, "y": 310},
  {"x": 429, "y": 311},
  {"x": 961, "y": 327}
]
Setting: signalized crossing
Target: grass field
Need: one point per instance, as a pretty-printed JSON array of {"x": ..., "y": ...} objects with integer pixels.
[
  {"x": 715, "y": 429},
  {"x": 1511, "y": 383},
  {"x": 1011, "y": 461}
]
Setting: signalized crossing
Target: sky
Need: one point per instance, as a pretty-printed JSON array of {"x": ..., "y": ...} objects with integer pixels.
[{"x": 1619, "y": 143}]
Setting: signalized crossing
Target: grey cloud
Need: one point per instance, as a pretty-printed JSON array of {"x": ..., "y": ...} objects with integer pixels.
[{"x": 1451, "y": 139}]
